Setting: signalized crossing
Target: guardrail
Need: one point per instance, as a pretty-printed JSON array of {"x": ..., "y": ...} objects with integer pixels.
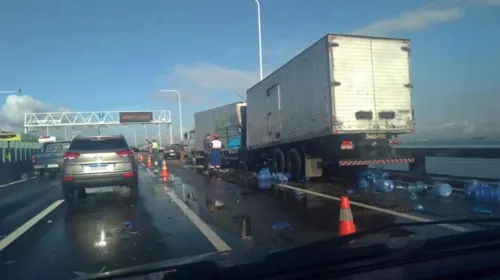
[{"x": 15, "y": 160}]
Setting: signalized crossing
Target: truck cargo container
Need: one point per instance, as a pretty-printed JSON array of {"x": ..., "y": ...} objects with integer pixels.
[
  {"x": 336, "y": 105},
  {"x": 227, "y": 122}
]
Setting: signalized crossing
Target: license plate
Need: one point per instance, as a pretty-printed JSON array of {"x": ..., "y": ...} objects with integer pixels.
[
  {"x": 100, "y": 190},
  {"x": 375, "y": 136},
  {"x": 52, "y": 165},
  {"x": 172, "y": 154},
  {"x": 98, "y": 167}
]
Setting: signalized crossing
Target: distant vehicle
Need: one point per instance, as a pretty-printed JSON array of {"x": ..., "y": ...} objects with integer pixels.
[
  {"x": 172, "y": 151},
  {"x": 50, "y": 160},
  {"x": 97, "y": 162},
  {"x": 46, "y": 139},
  {"x": 225, "y": 120}
]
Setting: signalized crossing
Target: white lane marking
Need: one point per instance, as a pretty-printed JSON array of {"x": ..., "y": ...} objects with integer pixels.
[
  {"x": 218, "y": 243},
  {"x": 386, "y": 211},
  {"x": 15, "y": 182},
  {"x": 22, "y": 229}
]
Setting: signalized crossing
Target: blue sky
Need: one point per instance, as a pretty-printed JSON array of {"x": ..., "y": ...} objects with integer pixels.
[{"x": 114, "y": 54}]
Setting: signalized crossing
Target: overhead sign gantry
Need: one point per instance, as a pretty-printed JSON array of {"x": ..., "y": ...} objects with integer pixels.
[{"x": 96, "y": 119}]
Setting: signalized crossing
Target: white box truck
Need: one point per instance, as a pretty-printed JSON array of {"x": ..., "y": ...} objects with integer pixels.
[
  {"x": 227, "y": 122},
  {"x": 338, "y": 103}
]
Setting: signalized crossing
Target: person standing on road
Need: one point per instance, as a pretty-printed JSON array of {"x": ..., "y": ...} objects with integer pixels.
[
  {"x": 216, "y": 151},
  {"x": 149, "y": 147},
  {"x": 181, "y": 152},
  {"x": 154, "y": 147},
  {"x": 206, "y": 150}
]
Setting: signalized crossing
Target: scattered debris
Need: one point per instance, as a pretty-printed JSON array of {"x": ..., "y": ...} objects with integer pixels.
[
  {"x": 80, "y": 274},
  {"x": 281, "y": 225},
  {"x": 483, "y": 211}
]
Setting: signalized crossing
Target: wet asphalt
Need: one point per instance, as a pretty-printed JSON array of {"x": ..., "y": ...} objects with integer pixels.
[{"x": 108, "y": 231}]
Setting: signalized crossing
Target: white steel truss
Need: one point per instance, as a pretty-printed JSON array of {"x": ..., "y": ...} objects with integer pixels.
[{"x": 64, "y": 119}]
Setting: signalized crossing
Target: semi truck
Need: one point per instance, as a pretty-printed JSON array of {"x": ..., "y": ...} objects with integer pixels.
[{"x": 335, "y": 106}]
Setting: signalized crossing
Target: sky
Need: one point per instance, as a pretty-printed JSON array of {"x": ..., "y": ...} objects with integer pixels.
[{"x": 117, "y": 54}]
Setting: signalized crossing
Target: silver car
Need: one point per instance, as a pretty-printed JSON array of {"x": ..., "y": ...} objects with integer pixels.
[{"x": 98, "y": 161}]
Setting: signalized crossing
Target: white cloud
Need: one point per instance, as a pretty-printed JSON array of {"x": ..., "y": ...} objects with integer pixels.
[
  {"x": 412, "y": 21},
  {"x": 196, "y": 80},
  {"x": 487, "y": 2},
  {"x": 12, "y": 112},
  {"x": 456, "y": 129}
]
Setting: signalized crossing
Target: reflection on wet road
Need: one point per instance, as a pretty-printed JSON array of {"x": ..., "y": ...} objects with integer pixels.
[{"x": 191, "y": 214}]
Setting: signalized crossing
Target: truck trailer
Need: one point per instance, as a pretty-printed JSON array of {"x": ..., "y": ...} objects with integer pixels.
[
  {"x": 225, "y": 121},
  {"x": 335, "y": 105}
]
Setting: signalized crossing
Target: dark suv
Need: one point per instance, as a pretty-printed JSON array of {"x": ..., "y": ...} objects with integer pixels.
[{"x": 98, "y": 161}]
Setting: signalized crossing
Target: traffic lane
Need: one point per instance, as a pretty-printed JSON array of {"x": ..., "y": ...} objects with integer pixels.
[
  {"x": 103, "y": 232},
  {"x": 24, "y": 201},
  {"x": 315, "y": 222}
]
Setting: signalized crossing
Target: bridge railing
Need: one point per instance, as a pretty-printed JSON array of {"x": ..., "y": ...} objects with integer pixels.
[{"x": 15, "y": 160}]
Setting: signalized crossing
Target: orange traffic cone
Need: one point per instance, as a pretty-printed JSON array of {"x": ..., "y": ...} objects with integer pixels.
[
  {"x": 149, "y": 162},
  {"x": 141, "y": 159},
  {"x": 164, "y": 169},
  {"x": 346, "y": 225}
]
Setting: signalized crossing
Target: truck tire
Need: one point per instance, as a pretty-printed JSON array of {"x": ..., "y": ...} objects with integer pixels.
[
  {"x": 41, "y": 174},
  {"x": 279, "y": 160},
  {"x": 294, "y": 166}
]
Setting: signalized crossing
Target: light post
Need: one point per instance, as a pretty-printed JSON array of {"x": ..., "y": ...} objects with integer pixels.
[
  {"x": 10, "y": 91},
  {"x": 260, "y": 40},
  {"x": 180, "y": 108},
  {"x": 135, "y": 137}
]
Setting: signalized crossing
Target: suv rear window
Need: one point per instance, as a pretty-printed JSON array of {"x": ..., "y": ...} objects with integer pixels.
[
  {"x": 99, "y": 144},
  {"x": 55, "y": 147}
]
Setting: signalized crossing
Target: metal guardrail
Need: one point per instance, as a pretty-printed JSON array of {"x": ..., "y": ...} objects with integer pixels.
[{"x": 15, "y": 160}]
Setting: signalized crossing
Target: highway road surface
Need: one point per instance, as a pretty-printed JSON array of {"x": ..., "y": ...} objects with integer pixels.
[{"x": 44, "y": 237}]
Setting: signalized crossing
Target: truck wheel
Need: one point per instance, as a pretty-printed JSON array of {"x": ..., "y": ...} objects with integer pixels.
[
  {"x": 279, "y": 161},
  {"x": 294, "y": 165},
  {"x": 41, "y": 174}
]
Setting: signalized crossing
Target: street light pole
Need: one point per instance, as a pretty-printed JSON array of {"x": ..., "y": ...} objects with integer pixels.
[
  {"x": 135, "y": 137},
  {"x": 180, "y": 109},
  {"x": 260, "y": 40},
  {"x": 10, "y": 91}
]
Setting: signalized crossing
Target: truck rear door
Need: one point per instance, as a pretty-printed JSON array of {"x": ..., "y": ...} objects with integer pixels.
[{"x": 371, "y": 84}]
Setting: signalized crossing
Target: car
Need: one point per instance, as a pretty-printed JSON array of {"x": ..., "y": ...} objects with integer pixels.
[
  {"x": 94, "y": 162},
  {"x": 172, "y": 152},
  {"x": 50, "y": 159}
]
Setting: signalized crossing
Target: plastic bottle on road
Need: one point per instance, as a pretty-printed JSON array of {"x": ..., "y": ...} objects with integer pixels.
[
  {"x": 469, "y": 189},
  {"x": 384, "y": 186},
  {"x": 363, "y": 183},
  {"x": 486, "y": 192},
  {"x": 264, "y": 178},
  {"x": 416, "y": 187},
  {"x": 442, "y": 189}
]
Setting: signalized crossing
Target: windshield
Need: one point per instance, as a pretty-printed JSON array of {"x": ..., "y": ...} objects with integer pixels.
[
  {"x": 323, "y": 121},
  {"x": 56, "y": 147},
  {"x": 98, "y": 144}
]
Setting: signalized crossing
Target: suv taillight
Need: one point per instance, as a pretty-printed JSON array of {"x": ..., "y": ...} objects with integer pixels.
[
  {"x": 70, "y": 155},
  {"x": 33, "y": 159},
  {"x": 125, "y": 153}
]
